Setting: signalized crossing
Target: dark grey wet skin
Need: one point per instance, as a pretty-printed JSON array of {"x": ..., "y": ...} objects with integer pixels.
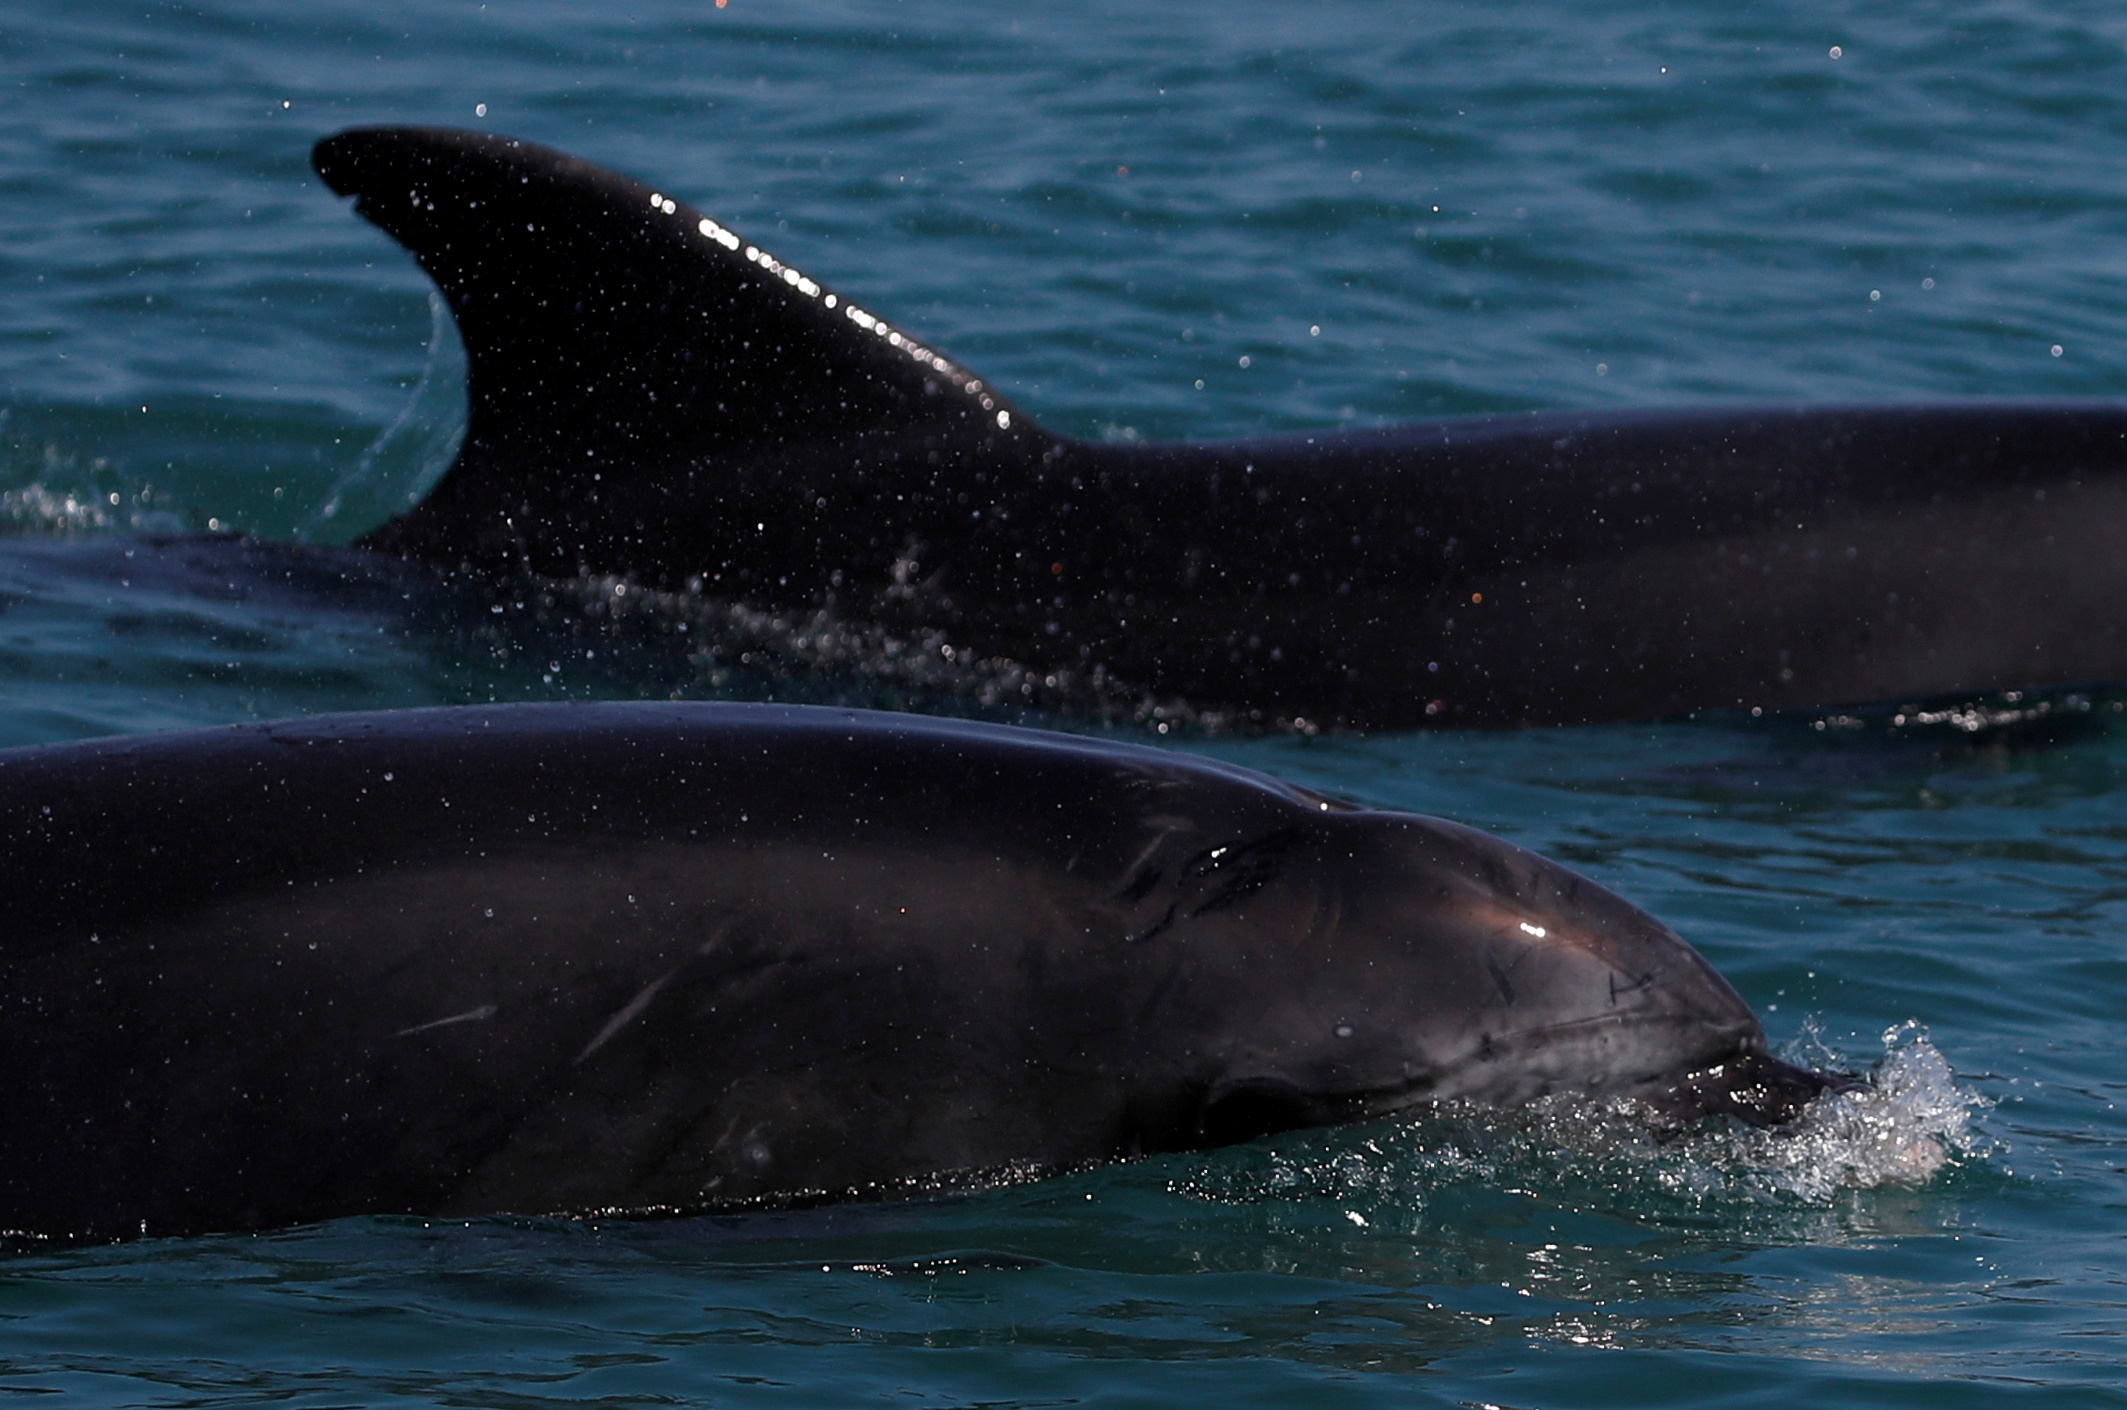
[
  {"x": 666, "y": 956},
  {"x": 650, "y": 394},
  {"x": 1753, "y": 1087}
]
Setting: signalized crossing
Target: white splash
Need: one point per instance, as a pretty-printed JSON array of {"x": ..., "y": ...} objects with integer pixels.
[
  {"x": 1904, "y": 1125},
  {"x": 49, "y": 489},
  {"x": 1909, "y": 1122}
]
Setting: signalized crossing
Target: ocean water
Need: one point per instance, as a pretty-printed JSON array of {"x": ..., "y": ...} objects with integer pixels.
[{"x": 1391, "y": 211}]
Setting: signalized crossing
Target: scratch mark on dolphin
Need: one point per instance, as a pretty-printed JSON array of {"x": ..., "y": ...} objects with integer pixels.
[
  {"x": 469, "y": 1016},
  {"x": 627, "y": 1014}
]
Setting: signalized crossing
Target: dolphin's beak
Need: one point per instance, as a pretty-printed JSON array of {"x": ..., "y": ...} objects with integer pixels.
[{"x": 1756, "y": 1088}]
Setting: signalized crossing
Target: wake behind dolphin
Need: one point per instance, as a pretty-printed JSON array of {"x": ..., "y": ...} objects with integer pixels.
[
  {"x": 652, "y": 395},
  {"x": 640, "y": 957}
]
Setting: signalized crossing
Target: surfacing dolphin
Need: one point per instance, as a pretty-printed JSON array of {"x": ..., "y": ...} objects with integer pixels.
[
  {"x": 655, "y": 396},
  {"x": 639, "y": 957}
]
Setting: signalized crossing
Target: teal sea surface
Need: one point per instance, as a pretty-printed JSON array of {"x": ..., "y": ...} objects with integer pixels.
[{"x": 1155, "y": 220}]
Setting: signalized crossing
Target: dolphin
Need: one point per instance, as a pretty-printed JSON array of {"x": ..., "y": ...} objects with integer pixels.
[
  {"x": 655, "y": 396},
  {"x": 639, "y": 957}
]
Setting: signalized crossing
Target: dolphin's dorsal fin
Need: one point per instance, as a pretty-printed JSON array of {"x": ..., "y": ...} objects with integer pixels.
[{"x": 612, "y": 330}]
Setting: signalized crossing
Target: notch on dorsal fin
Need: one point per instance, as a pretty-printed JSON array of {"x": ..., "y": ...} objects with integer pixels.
[{"x": 612, "y": 330}]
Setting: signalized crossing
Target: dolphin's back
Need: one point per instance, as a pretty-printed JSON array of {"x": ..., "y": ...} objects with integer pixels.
[{"x": 651, "y": 395}]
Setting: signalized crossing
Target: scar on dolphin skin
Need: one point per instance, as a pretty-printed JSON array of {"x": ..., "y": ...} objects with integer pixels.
[
  {"x": 627, "y": 1014},
  {"x": 469, "y": 1016}
]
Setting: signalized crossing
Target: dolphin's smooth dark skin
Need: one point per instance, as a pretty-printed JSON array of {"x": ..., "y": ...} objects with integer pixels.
[
  {"x": 652, "y": 395},
  {"x": 651, "y": 957}
]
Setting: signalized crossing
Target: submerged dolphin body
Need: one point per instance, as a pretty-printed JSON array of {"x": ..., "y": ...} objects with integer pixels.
[
  {"x": 545, "y": 958},
  {"x": 651, "y": 395}
]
